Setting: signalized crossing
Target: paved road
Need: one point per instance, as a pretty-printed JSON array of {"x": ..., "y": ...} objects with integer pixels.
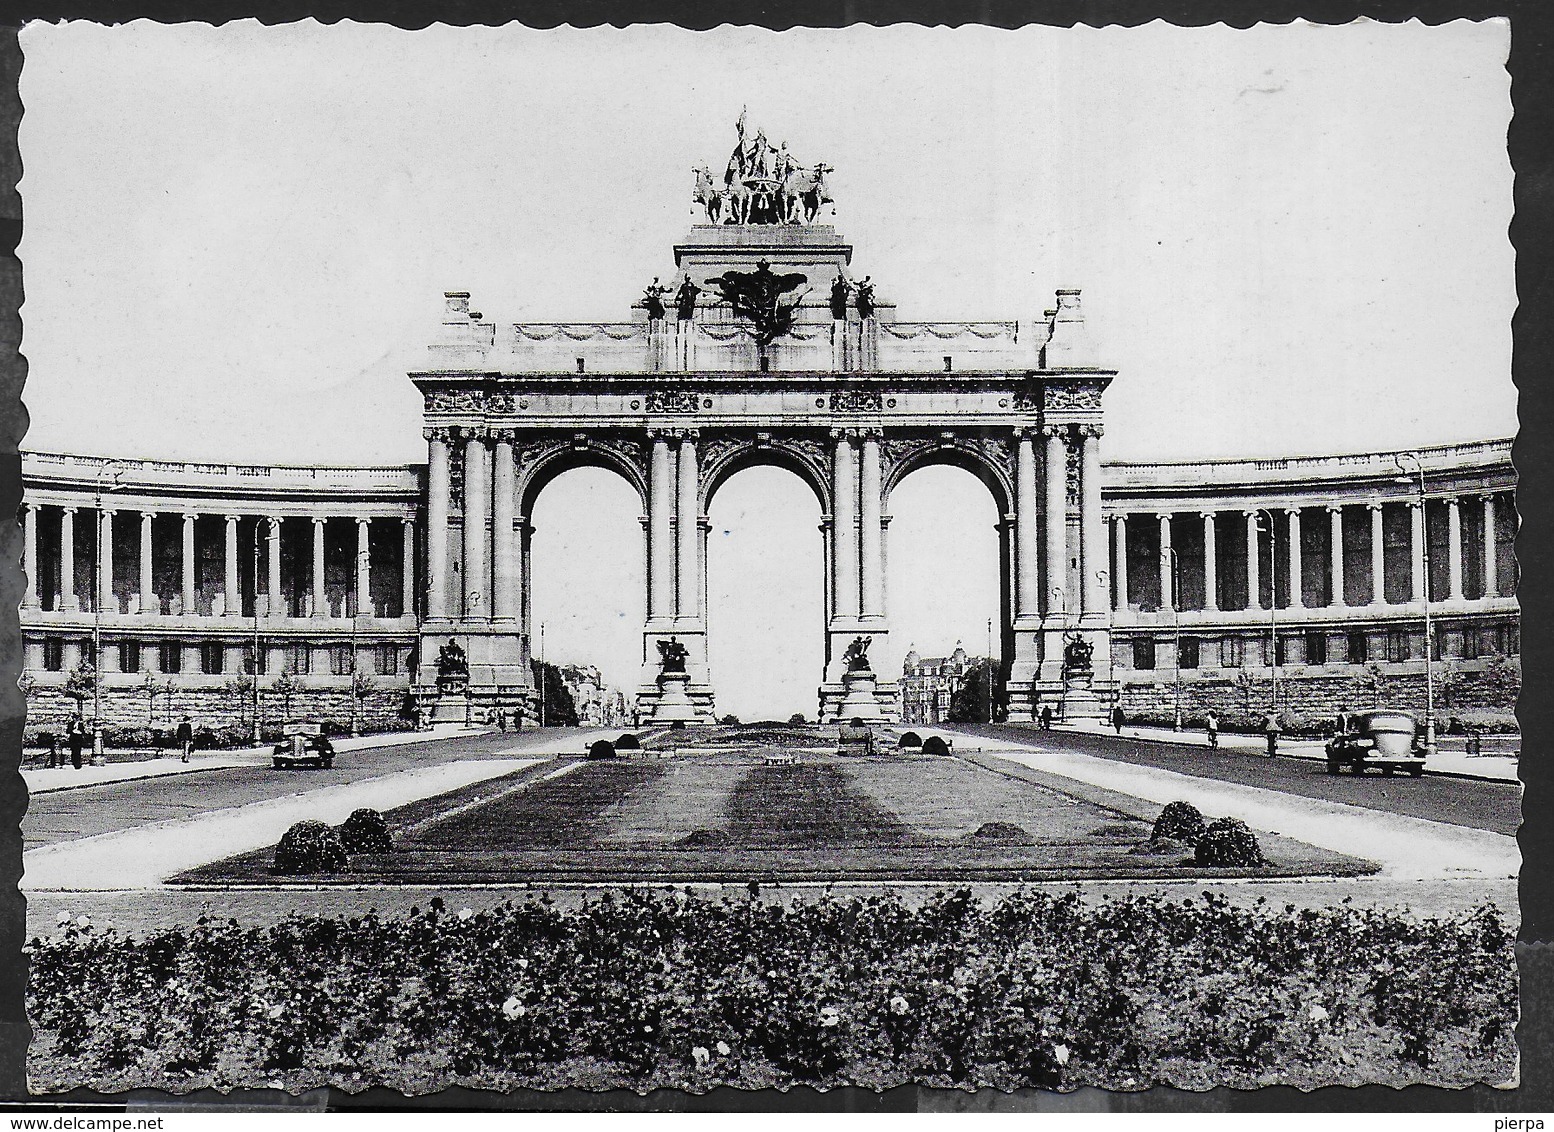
[
  {"x": 1492, "y": 806},
  {"x": 68, "y": 814}
]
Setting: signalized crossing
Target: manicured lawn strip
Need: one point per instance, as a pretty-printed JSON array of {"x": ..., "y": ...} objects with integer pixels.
[
  {"x": 642, "y": 990},
  {"x": 803, "y": 804},
  {"x": 691, "y": 794},
  {"x": 554, "y": 813}
]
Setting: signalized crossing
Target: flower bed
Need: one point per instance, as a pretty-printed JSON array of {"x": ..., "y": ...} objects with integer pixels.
[{"x": 650, "y": 989}]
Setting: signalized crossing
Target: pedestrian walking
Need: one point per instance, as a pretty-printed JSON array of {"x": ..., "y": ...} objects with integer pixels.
[
  {"x": 1211, "y": 725},
  {"x": 1118, "y": 718},
  {"x": 1341, "y": 724},
  {"x": 53, "y": 750},
  {"x": 184, "y": 736},
  {"x": 1046, "y": 717},
  {"x": 1271, "y": 729},
  {"x": 76, "y": 734}
]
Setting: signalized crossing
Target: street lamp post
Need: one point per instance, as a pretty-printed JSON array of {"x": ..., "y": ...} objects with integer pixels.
[
  {"x": 1273, "y": 608},
  {"x": 472, "y": 602},
  {"x": 1429, "y": 634},
  {"x": 543, "y": 680},
  {"x": 1176, "y": 627},
  {"x": 355, "y": 666},
  {"x": 990, "y": 670},
  {"x": 97, "y": 608},
  {"x": 254, "y": 675}
]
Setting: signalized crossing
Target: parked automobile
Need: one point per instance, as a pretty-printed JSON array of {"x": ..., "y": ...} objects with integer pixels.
[
  {"x": 304, "y": 744},
  {"x": 1385, "y": 739}
]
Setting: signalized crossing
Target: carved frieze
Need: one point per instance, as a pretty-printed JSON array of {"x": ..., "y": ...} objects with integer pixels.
[
  {"x": 857, "y": 401},
  {"x": 1071, "y": 397},
  {"x": 673, "y": 401}
]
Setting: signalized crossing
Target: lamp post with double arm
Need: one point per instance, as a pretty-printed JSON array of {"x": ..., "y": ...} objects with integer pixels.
[
  {"x": 1176, "y": 631},
  {"x": 1273, "y": 607},
  {"x": 102, "y": 594}
]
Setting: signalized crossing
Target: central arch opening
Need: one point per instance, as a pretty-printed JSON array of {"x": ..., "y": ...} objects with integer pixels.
[
  {"x": 588, "y": 578},
  {"x": 946, "y": 588},
  {"x": 766, "y": 595}
]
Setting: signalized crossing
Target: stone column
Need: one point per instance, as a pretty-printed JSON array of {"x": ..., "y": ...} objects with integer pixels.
[
  {"x": 1120, "y": 553},
  {"x": 1027, "y": 537},
  {"x": 688, "y": 530},
  {"x": 476, "y": 595},
  {"x": 1056, "y": 517},
  {"x": 188, "y": 579},
  {"x": 30, "y": 555},
  {"x": 1297, "y": 598},
  {"x": 364, "y": 566},
  {"x": 273, "y": 568},
  {"x": 1491, "y": 561},
  {"x": 1092, "y": 530},
  {"x": 148, "y": 600},
  {"x": 1378, "y": 556},
  {"x": 68, "y": 598},
  {"x": 105, "y": 599},
  {"x": 1254, "y": 599},
  {"x": 1210, "y": 562},
  {"x": 844, "y": 490},
  {"x": 407, "y": 568},
  {"x": 1335, "y": 547},
  {"x": 1454, "y": 548},
  {"x": 1167, "y": 563},
  {"x": 505, "y": 598},
  {"x": 660, "y": 551},
  {"x": 232, "y": 601},
  {"x": 871, "y": 542},
  {"x": 320, "y": 604},
  {"x": 1416, "y": 539},
  {"x": 437, "y": 502}
]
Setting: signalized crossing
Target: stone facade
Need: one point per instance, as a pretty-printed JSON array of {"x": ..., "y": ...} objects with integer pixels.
[{"x": 929, "y": 684}]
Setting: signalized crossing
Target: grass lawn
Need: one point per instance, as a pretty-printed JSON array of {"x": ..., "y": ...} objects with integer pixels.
[{"x": 729, "y": 816}]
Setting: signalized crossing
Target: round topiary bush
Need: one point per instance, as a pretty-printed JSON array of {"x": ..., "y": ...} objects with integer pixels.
[
  {"x": 1228, "y": 842},
  {"x": 309, "y": 847},
  {"x": 601, "y": 749},
  {"x": 365, "y": 831},
  {"x": 1180, "y": 821},
  {"x": 1001, "y": 833},
  {"x": 933, "y": 745},
  {"x": 628, "y": 742},
  {"x": 910, "y": 739}
]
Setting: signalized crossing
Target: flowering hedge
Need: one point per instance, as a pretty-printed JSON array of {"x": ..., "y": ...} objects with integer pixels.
[{"x": 647, "y": 989}]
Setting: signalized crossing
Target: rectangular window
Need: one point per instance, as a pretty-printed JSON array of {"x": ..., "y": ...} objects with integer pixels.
[
  {"x": 300, "y": 659},
  {"x": 1512, "y": 640},
  {"x": 1232, "y": 652},
  {"x": 53, "y": 654},
  {"x": 387, "y": 660},
  {"x": 129, "y": 656},
  {"x": 1472, "y": 644},
  {"x": 1316, "y": 648},
  {"x": 170, "y": 657},
  {"x": 1187, "y": 652},
  {"x": 1397, "y": 646},
  {"x": 212, "y": 659},
  {"x": 264, "y": 660},
  {"x": 1143, "y": 652},
  {"x": 1359, "y": 649},
  {"x": 1281, "y": 651},
  {"x": 340, "y": 660}
]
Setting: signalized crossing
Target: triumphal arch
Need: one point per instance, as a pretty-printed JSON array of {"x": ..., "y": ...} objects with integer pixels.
[{"x": 765, "y": 344}]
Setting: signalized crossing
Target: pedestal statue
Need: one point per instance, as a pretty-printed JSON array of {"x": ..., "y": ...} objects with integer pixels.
[{"x": 859, "y": 700}]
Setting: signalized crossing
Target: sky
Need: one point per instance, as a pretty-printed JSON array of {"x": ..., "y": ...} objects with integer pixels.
[{"x": 1290, "y": 239}]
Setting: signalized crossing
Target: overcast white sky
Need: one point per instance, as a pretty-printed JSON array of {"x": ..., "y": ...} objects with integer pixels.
[{"x": 1290, "y": 239}]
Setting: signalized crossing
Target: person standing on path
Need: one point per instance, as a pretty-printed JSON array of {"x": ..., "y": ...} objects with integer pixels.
[
  {"x": 76, "y": 733},
  {"x": 185, "y": 737},
  {"x": 1046, "y": 717},
  {"x": 1341, "y": 724},
  {"x": 1211, "y": 725},
  {"x": 53, "y": 751},
  {"x": 1271, "y": 729},
  {"x": 1118, "y": 718}
]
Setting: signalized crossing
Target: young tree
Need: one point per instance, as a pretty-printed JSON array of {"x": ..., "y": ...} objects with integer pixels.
[
  {"x": 286, "y": 685},
  {"x": 149, "y": 686},
  {"x": 81, "y": 683},
  {"x": 971, "y": 703}
]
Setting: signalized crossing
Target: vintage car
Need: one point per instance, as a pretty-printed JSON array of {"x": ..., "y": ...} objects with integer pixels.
[
  {"x": 1387, "y": 739},
  {"x": 304, "y": 744}
]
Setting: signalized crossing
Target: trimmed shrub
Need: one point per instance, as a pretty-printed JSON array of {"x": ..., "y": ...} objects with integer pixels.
[
  {"x": 705, "y": 837},
  {"x": 1180, "y": 821},
  {"x": 1228, "y": 842},
  {"x": 365, "y": 831},
  {"x": 933, "y": 745},
  {"x": 1001, "y": 833},
  {"x": 628, "y": 742},
  {"x": 601, "y": 749},
  {"x": 910, "y": 739},
  {"x": 309, "y": 847}
]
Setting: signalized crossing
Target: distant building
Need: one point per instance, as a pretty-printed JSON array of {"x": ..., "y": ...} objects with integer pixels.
[
  {"x": 929, "y": 684},
  {"x": 597, "y": 704}
]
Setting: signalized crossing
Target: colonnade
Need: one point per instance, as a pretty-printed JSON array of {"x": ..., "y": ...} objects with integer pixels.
[
  {"x": 1262, "y": 520},
  {"x": 493, "y": 578},
  {"x": 269, "y": 602}
]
